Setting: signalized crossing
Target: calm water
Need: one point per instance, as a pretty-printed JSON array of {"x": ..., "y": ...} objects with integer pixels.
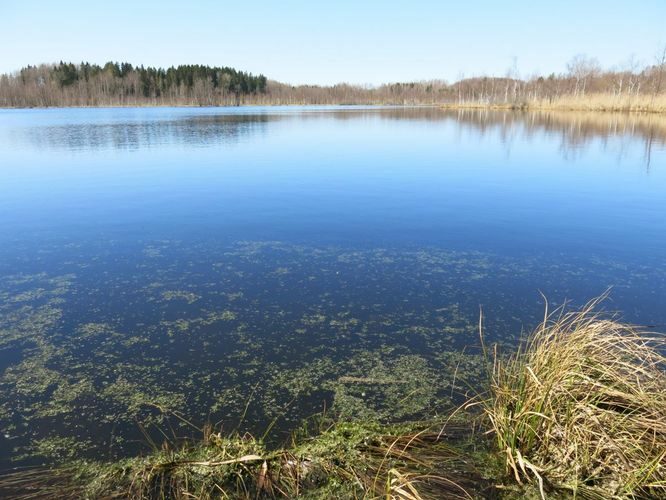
[{"x": 157, "y": 263}]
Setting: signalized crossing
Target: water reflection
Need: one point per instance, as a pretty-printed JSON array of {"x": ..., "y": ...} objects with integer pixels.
[
  {"x": 574, "y": 130},
  {"x": 216, "y": 126},
  {"x": 204, "y": 130}
]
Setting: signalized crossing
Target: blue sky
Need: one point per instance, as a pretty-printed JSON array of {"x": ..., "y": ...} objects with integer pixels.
[{"x": 326, "y": 42}]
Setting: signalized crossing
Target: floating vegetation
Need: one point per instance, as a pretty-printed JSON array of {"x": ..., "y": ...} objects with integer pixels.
[
  {"x": 393, "y": 390},
  {"x": 86, "y": 395},
  {"x": 579, "y": 409},
  {"x": 252, "y": 335},
  {"x": 188, "y": 297}
]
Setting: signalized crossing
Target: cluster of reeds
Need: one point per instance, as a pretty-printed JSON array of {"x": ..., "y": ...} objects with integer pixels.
[
  {"x": 643, "y": 103},
  {"x": 582, "y": 407}
]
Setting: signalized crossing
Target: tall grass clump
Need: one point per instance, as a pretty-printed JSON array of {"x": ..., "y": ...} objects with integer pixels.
[{"x": 582, "y": 407}]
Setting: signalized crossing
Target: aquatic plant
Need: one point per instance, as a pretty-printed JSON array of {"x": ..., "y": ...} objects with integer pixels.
[
  {"x": 582, "y": 407},
  {"x": 101, "y": 386},
  {"x": 343, "y": 460}
]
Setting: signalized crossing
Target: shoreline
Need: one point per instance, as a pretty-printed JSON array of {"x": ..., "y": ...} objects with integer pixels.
[
  {"x": 523, "y": 107},
  {"x": 563, "y": 109}
]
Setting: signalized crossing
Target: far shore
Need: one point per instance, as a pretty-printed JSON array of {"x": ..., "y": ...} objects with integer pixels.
[{"x": 593, "y": 103}]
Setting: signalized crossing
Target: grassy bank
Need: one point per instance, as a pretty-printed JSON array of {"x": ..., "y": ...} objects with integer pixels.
[
  {"x": 340, "y": 460},
  {"x": 579, "y": 410},
  {"x": 590, "y": 102}
]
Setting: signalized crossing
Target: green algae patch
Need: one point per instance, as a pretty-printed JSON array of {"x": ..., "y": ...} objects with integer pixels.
[
  {"x": 393, "y": 390},
  {"x": 188, "y": 297}
]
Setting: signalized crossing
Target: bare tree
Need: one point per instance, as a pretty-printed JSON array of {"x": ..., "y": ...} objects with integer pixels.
[{"x": 582, "y": 68}]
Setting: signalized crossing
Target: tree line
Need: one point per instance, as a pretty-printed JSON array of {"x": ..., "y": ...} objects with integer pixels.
[
  {"x": 85, "y": 84},
  {"x": 122, "y": 84}
]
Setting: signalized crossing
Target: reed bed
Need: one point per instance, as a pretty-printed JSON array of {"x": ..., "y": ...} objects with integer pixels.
[
  {"x": 582, "y": 408},
  {"x": 605, "y": 102},
  {"x": 590, "y": 102}
]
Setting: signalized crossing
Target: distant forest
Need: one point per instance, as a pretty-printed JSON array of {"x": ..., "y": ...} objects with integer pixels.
[
  {"x": 119, "y": 84},
  {"x": 629, "y": 86}
]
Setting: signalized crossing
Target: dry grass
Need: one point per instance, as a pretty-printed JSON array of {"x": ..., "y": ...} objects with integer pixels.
[
  {"x": 583, "y": 407},
  {"x": 605, "y": 102},
  {"x": 588, "y": 102}
]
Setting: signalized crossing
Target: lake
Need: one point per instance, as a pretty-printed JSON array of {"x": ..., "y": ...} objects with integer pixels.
[{"x": 161, "y": 268}]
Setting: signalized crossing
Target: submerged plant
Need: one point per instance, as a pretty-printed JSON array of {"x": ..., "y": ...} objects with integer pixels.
[{"x": 582, "y": 406}]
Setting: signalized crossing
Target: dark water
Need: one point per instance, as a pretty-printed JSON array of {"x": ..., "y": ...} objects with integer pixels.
[{"x": 257, "y": 265}]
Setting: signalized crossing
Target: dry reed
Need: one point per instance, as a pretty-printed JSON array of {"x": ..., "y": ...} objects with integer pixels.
[{"x": 643, "y": 103}]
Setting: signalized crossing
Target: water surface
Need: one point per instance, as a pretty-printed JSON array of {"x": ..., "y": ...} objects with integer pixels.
[{"x": 157, "y": 263}]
